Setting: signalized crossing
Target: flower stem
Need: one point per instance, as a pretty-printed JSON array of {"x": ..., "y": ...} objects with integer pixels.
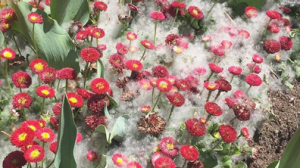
[
  {"x": 6, "y": 78},
  {"x": 218, "y": 94},
  {"x": 177, "y": 9},
  {"x": 211, "y": 9},
  {"x": 232, "y": 120},
  {"x": 143, "y": 54},
  {"x": 231, "y": 78},
  {"x": 14, "y": 38},
  {"x": 57, "y": 87},
  {"x": 183, "y": 164},
  {"x": 152, "y": 97},
  {"x": 248, "y": 89},
  {"x": 207, "y": 118},
  {"x": 51, "y": 163},
  {"x": 155, "y": 27},
  {"x": 218, "y": 143},
  {"x": 210, "y": 75},
  {"x": 42, "y": 107},
  {"x": 209, "y": 94},
  {"x": 172, "y": 109},
  {"x": 158, "y": 97},
  {"x": 86, "y": 71},
  {"x": 33, "y": 39}
]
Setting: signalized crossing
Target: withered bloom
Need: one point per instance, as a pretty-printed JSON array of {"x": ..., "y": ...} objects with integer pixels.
[{"x": 153, "y": 124}]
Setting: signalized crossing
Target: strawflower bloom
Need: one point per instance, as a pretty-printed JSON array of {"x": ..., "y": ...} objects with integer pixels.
[
  {"x": 22, "y": 136},
  {"x": 21, "y": 79},
  {"x": 195, "y": 127},
  {"x": 157, "y": 15},
  {"x": 96, "y": 103},
  {"x": 57, "y": 108},
  {"x": 235, "y": 70},
  {"x": 285, "y": 42},
  {"x": 176, "y": 99},
  {"x": 147, "y": 44},
  {"x": 227, "y": 133},
  {"x": 98, "y": 33},
  {"x": 81, "y": 34},
  {"x": 273, "y": 14},
  {"x": 253, "y": 80},
  {"x": 164, "y": 85},
  {"x": 53, "y": 147},
  {"x": 34, "y": 154},
  {"x": 22, "y": 100},
  {"x": 75, "y": 99},
  {"x": 45, "y": 135},
  {"x": 84, "y": 92},
  {"x": 244, "y": 33},
  {"x": 48, "y": 75},
  {"x": 102, "y": 6},
  {"x": 117, "y": 61},
  {"x": 45, "y": 91},
  {"x": 7, "y": 15},
  {"x": 164, "y": 162},
  {"x": 133, "y": 65},
  {"x": 34, "y": 125},
  {"x": 122, "y": 48},
  {"x": 35, "y": 18},
  {"x": 8, "y": 53},
  {"x": 182, "y": 84},
  {"x": 211, "y": 85},
  {"x": 199, "y": 71},
  {"x": 272, "y": 46},
  {"x": 38, "y": 65},
  {"x": 251, "y": 12},
  {"x": 160, "y": 71},
  {"x": 66, "y": 73},
  {"x": 145, "y": 109},
  {"x": 14, "y": 159},
  {"x": 145, "y": 84},
  {"x": 131, "y": 36},
  {"x": 215, "y": 68},
  {"x": 217, "y": 50},
  {"x": 168, "y": 145},
  {"x": 92, "y": 155},
  {"x": 195, "y": 12},
  {"x": 134, "y": 165},
  {"x": 257, "y": 59},
  {"x": 119, "y": 159},
  {"x": 90, "y": 54},
  {"x": 213, "y": 108},
  {"x": 4, "y": 27},
  {"x": 189, "y": 152},
  {"x": 100, "y": 86}
]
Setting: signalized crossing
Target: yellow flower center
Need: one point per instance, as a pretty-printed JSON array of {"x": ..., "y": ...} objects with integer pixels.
[
  {"x": 32, "y": 127},
  {"x": 216, "y": 135},
  {"x": 100, "y": 86},
  {"x": 21, "y": 80},
  {"x": 147, "y": 44},
  {"x": 22, "y": 136},
  {"x": 135, "y": 66},
  {"x": 98, "y": 33},
  {"x": 145, "y": 85},
  {"x": 195, "y": 12},
  {"x": 34, "y": 154},
  {"x": 45, "y": 135},
  {"x": 22, "y": 100},
  {"x": 8, "y": 16},
  {"x": 211, "y": 86},
  {"x": 45, "y": 92},
  {"x": 7, "y": 54},
  {"x": 73, "y": 100},
  {"x": 120, "y": 160},
  {"x": 38, "y": 66},
  {"x": 170, "y": 146},
  {"x": 33, "y": 18},
  {"x": 6, "y": 25},
  {"x": 163, "y": 85},
  {"x": 131, "y": 36}
]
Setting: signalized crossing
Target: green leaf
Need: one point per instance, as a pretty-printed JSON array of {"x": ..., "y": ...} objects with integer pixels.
[
  {"x": 255, "y": 3},
  {"x": 291, "y": 155},
  {"x": 241, "y": 165},
  {"x": 100, "y": 69},
  {"x": 111, "y": 101},
  {"x": 1, "y": 38},
  {"x": 195, "y": 24},
  {"x": 208, "y": 159},
  {"x": 274, "y": 164},
  {"x": 119, "y": 129},
  {"x": 67, "y": 10},
  {"x": 102, "y": 162},
  {"x": 102, "y": 129},
  {"x": 66, "y": 138},
  {"x": 106, "y": 113},
  {"x": 53, "y": 42}
]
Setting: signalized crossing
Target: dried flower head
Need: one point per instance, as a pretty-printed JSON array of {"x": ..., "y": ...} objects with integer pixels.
[{"x": 152, "y": 124}]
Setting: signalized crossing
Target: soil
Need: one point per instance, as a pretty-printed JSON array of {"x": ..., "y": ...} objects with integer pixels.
[{"x": 271, "y": 139}]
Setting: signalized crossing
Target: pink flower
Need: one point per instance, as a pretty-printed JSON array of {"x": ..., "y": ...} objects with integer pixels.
[{"x": 157, "y": 15}]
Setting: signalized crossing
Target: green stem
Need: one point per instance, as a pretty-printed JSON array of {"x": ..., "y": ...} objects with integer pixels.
[
  {"x": 20, "y": 90},
  {"x": 183, "y": 164},
  {"x": 152, "y": 97},
  {"x": 33, "y": 39},
  {"x": 210, "y": 75},
  {"x": 57, "y": 87},
  {"x": 6, "y": 78},
  {"x": 172, "y": 109},
  {"x": 207, "y": 118},
  {"x": 231, "y": 78},
  {"x": 211, "y": 9},
  {"x": 42, "y": 107},
  {"x": 209, "y": 94},
  {"x": 142, "y": 57},
  {"x": 86, "y": 70},
  {"x": 51, "y": 163},
  {"x": 158, "y": 97},
  {"x": 216, "y": 145},
  {"x": 14, "y": 38},
  {"x": 218, "y": 94},
  {"x": 232, "y": 120},
  {"x": 248, "y": 89},
  {"x": 43, "y": 159},
  {"x": 177, "y": 9},
  {"x": 155, "y": 27}
]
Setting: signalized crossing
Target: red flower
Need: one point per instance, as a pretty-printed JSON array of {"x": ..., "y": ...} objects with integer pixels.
[
  {"x": 274, "y": 27},
  {"x": 273, "y": 14},
  {"x": 160, "y": 71},
  {"x": 199, "y": 71},
  {"x": 48, "y": 75},
  {"x": 119, "y": 159},
  {"x": 147, "y": 44},
  {"x": 22, "y": 136},
  {"x": 134, "y": 65},
  {"x": 215, "y": 68},
  {"x": 211, "y": 85},
  {"x": 92, "y": 155},
  {"x": 8, "y": 15},
  {"x": 133, "y": 8},
  {"x": 257, "y": 59},
  {"x": 100, "y": 5},
  {"x": 34, "y": 154},
  {"x": 285, "y": 9},
  {"x": 75, "y": 99},
  {"x": 235, "y": 70},
  {"x": 245, "y": 132},
  {"x": 32, "y": 124},
  {"x": 57, "y": 108},
  {"x": 253, "y": 80},
  {"x": 22, "y": 100},
  {"x": 182, "y": 84},
  {"x": 14, "y": 159},
  {"x": 157, "y": 15},
  {"x": 168, "y": 146},
  {"x": 90, "y": 54},
  {"x": 226, "y": 44},
  {"x": 78, "y": 137},
  {"x": 8, "y": 53},
  {"x": 195, "y": 127},
  {"x": 100, "y": 86},
  {"x": 53, "y": 147},
  {"x": 285, "y": 42},
  {"x": 41, "y": 122},
  {"x": 189, "y": 152},
  {"x": 239, "y": 94},
  {"x": 97, "y": 102},
  {"x": 157, "y": 155},
  {"x": 117, "y": 61},
  {"x": 122, "y": 48},
  {"x": 66, "y": 73},
  {"x": 145, "y": 109},
  {"x": 38, "y": 65},
  {"x": 45, "y": 91},
  {"x": 134, "y": 165},
  {"x": 217, "y": 50},
  {"x": 227, "y": 133},
  {"x": 224, "y": 85},
  {"x": 244, "y": 33},
  {"x": 131, "y": 36},
  {"x": 45, "y": 135},
  {"x": 98, "y": 33},
  {"x": 164, "y": 85},
  {"x": 81, "y": 34},
  {"x": 213, "y": 108},
  {"x": 195, "y": 12},
  {"x": 35, "y": 5},
  {"x": 251, "y": 11},
  {"x": 176, "y": 4},
  {"x": 272, "y": 46},
  {"x": 35, "y": 18},
  {"x": 145, "y": 84},
  {"x": 54, "y": 122},
  {"x": 84, "y": 93},
  {"x": 164, "y": 162},
  {"x": 4, "y": 27},
  {"x": 176, "y": 99},
  {"x": 93, "y": 121},
  {"x": 21, "y": 79}
]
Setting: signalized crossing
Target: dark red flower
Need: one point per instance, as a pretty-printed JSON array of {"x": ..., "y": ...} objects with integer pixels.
[
  {"x": 213, "y": 108},
  {"x": 168, "y": 145},
  {"x": 215, "y": 68},
  {"x": 38, "y": 65},
  {"x": 66, "y": 73},
  {"x": 53, "y": 147},
  {"x": 45, "y": 91},
  {"x": 122, "y": 48},
  {"x": 57, "y": 108},
  {"x": 35, "y": 18},
  {"x": 182, "y": 84},
  {"x": 14, "y": 159},
  {"x": 75, "y": 99},
  {"x": 93, "y": 121},
  {"x": 117, "y": 61},
  {"x": 251, "y": 11},
  {"x": 48, "y": 75},
  {"x": 195, "y": 12},
  {"x": 227, "y": 133},
  {"x": 272, "y": 46},
  {"x": 253, "y": 80},
  {"x": 84, "y": 92},
  {"x": 189, "y": 152},
  {"x": 217, "y": 50},
  {"x": 235, "y": 70},
  {"x": 90, "y": 54},
  {"x": 273, "y": 14},
  {"x": 157, "y": 15},
  {"x": 21, "y": 79},
  {"x": 92, "y": 155},
  {"x": 100, "y": 5},
  {"x": 100, "y": 86},
  {"x": 133, "y": 65},
  {"x": 22, "y": 100},
  {"x": 164, "y": 162},
  {"x": 241, "y": 111},
  {"x": 133, "y": 8},
  {"x": 176, "y": 99},
  {"x": 285, "y": 9},
  {"x": 97, "y": 102},
  {"x": 160, "y": 71},
  {"x": 195, "y": 127},
  {"x": 285, "y": 42},
  {"x": 4, "y": 27},
  {"x": 224, "y": 85}
]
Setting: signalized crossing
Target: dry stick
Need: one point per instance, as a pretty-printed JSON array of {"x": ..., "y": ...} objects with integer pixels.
[{"x": 5, "y": 133}]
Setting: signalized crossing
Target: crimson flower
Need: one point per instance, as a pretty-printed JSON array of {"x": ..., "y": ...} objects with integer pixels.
[
  {"x": 213, "y": 108},
  {"x": 8, "y": 53},
  {"x": 195, "y": 12},
  {"x": 272, "y": 46},
  {"x": 22, "y": 100},
  {"x": 45, "y": 91},
  {"x": 98, "y": 33},
  {"x": 189, "y": 152},
  {"x": 176, "y": 99},
  {"x": 235, "y": 70},
  {"x": 66, "y": 73},
  {"x": 285, "y": 42},
  {"x": 147, "y": 44},
  {"x": 21, "y": 79},
  {"x": 48, "y": 75},
  {"x": 253, "y": 80},
  {"x": 75, "y": 99},
  {"x": 251, "y": 12},
  {"x": 34, "y": 154},
  {"x": 211, "y": 85},
  {"x": 164, "y": 162},
  {"x": 92, "y": 155},
  {"x": 133, "y": 65},
  {"x": 273, "y": 14},
  {"x": 217, "y": 50},
  {"x": 8, "y": 15},
  {"x": 100, "y": 86},
  {"x": 22, "y": 136},
  {"x": 215, "y": 68},
  {"x": 119, "y": 159},
  {"x": 168, "y": 145},
  {"x": 90, "y": 54},
  {"x": 131, "y": 36},
  {"x": 122, "y": 48},
  {"x": 164, "y": 85},
  {"x": 160, "y": 71},
  {"x": 227, "y": 133},
  {"x": 38, "y": 65},
  {"x": 102, "y": 6},
  {"x": 257, "y": 59},
  {"x": 35, "y": 18},
  {"x": 195, "y": 127},
  {"x": 157, "y": 15},
  {"x": 45, "y": 135}
]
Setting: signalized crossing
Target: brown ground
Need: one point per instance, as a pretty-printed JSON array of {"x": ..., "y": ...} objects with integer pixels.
[{"x": 272, "y": 138}]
